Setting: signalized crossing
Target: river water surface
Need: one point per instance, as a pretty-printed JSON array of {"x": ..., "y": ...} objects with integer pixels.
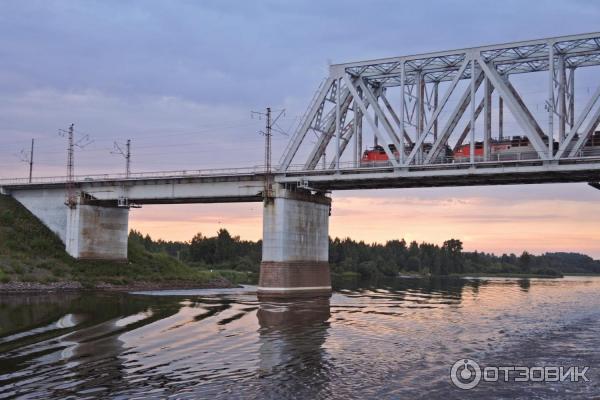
[{"x": 396, "y": 339}]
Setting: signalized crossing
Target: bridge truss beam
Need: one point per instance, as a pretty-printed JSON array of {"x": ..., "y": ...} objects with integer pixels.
[{"x": 403, "y": 101}]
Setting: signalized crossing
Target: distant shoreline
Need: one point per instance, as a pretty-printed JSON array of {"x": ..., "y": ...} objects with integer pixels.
[
  {"x": 13, "y": 288},
  {"x": 581, "y": 274},
  {"x": 485, "y": 275},
  {"x": 522, "y": 276}
]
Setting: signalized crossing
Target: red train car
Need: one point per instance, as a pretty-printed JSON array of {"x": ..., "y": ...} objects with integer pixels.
[{"x": 515, "y": 148}]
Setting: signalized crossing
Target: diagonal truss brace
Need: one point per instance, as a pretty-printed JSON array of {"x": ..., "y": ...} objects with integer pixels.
[
  {"x": 347, "y": 133},
  {"x": 517, "y": 108},
  {"x": 594, "y": 121},
  {"x": 436, "y": 113},
  {"x": 372, "y": 100},
  {"x": 454, "y": 119},
  {"x": 303, "y": 130},
  {"x": 370, "y": 121},
  {"x": 328, "y": 132},
  {"x": 388, "y": 106},
  {"x": 467, "y": 129},
  {"x": 584, "y": 113}
]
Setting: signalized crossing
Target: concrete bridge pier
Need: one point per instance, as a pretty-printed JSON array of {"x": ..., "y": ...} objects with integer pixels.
[
  {"x": 295, "y": 249},
  {"x": 89, "y": 231},
  {"x": 97, "y": 232}
]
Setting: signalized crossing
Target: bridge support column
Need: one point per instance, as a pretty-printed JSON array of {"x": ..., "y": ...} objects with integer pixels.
[
  {"x": 88, "y": 231},
  {"x": 97, "y": 232},
  {"x": 295, "y": 248}
]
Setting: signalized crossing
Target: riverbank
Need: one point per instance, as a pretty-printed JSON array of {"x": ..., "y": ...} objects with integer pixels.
[
  {"x": 520, "y": 276},
  {"x": 75, "y": 286},
  {"x": 581, "y": 274},
  {"x": 33, "y": 259},
  {"x": 483, "y": 275}
]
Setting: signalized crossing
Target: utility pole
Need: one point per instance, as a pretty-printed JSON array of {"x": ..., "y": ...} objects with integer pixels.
[
  {"x": 500, "y": 118},
  {"x": 27, "y": 156},
  {"x": 268, "y": 133},
  {"x": 126, "y": 154},
  {"x": 128, "y": 159},
  {"x": 71, "y": 197},
  {"x": 268, "y": 143},
  {"x": 268, "y": 192},
  {"x": 70, "y": 185},
  {"x": 31, "y": 161},
  {"x": 123, "y": 200}
]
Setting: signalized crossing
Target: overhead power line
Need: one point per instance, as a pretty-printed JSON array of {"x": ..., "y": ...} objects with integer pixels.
[
  {"x": 71, "y": 199},
  {"x": 126, "y": 154},
  {"x": 268, "y": 192}
]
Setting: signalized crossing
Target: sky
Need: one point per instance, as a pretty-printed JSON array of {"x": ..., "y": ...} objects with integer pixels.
[{"x": 180, "y": 79}]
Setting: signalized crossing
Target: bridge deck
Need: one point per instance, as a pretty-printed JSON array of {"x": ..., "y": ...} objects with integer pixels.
[
  {"x": 459, "y": 174},
  {"x": 246, "y": 185},
  {"x": 154, "y": 188}
]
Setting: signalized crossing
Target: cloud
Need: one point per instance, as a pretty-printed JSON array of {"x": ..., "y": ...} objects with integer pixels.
[{"x": 168, "y": 133}]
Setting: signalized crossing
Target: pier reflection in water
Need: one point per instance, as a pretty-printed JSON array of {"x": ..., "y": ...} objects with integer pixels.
[
  {"x": 396, "y": 338},
  {"x": 292, "y": 336}
]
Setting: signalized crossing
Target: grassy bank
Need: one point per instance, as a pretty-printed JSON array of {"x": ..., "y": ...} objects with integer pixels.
[{"x": 30, "y": 252}]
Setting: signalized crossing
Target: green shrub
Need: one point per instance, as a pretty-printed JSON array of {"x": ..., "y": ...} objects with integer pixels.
[
  {"x": 40, "y": 245},
  {"x": 18, "y": 269},
  {"x": 29, "y": 278},
  {"x": 87, "y": 284},
  {"x": 6, "y": 217},
  {"x": 4, "y": 278},
  {"x": 236, "y": 277},
  {"x": 48, "y": 279}
]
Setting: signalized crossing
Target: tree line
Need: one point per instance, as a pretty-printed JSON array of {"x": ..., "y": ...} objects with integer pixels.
[{"x": 347, "y": 256}]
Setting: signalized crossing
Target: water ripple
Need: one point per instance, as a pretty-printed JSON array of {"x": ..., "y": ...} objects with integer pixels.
[{"x": 394, "y": 341}]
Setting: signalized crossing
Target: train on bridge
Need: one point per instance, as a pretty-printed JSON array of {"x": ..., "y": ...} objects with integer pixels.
[{"x": 510, "y": 149}]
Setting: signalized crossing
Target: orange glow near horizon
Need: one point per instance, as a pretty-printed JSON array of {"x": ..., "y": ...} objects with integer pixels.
[{"x": 482, "y": 223}]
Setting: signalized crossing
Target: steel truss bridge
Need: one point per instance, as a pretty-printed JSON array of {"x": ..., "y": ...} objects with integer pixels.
[{"x": 420, "y": 109}]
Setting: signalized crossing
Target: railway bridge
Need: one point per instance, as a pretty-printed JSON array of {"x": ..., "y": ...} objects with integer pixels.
[{"x": 450, "y": 118}]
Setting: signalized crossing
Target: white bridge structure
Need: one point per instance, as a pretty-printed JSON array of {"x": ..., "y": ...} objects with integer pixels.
[{"x": 450, "y": 118}]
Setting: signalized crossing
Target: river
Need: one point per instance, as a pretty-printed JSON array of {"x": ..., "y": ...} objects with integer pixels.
[{"x": 393, "y": 339}]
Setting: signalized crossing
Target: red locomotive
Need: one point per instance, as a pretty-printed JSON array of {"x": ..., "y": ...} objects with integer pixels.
[{"x": 515, "y": 148}]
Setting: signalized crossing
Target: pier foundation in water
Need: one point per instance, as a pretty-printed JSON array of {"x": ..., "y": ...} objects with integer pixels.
[{"x": 295, "y": 248}]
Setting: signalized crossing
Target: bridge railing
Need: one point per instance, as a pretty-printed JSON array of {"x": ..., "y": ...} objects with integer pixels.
[
  {"x": 444, "y": 163},
  {"x": 447, "y": 163},
  {"x": 259, "y": 169}
]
